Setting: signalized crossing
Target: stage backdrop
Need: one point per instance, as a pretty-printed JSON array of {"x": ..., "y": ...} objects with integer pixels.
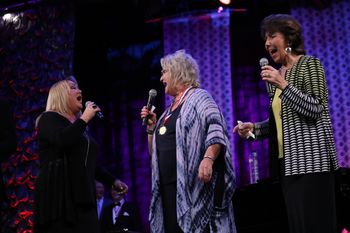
[
  {"x": 36, "y": 50},
  {"x": 327, "y": 36}
]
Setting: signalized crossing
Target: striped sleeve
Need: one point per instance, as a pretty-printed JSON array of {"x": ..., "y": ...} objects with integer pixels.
[
  {"x": 308, "y": 101},
  {"x": 261, "y": 129}
]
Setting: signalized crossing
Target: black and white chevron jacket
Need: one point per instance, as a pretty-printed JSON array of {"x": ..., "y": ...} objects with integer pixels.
[{"x": 308, "y": 142}]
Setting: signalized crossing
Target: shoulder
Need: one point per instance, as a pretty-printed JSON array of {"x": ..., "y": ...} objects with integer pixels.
[
  {"x": 49, "y": 117},
  {"x": 200, "y": 92},
  {"x": 310, "y": 59},
  {"x": 107, "y": 201},
  {"x": 131, "y": 206},
  {"x": 200, "y": 95},
  {"x": 310, "y": 63},
  {"x": 130, "y": 203},
  {"x": 51, "y": 114},
  {"x": 199, "y": 101}
]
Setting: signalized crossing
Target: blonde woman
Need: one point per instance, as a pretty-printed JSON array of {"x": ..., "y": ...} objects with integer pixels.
[{"x": 65, "y": 187}]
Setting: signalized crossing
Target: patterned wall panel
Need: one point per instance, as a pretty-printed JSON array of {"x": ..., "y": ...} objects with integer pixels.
[
  {"x": 207, "y": 38},
  {"x": 327, "y": 36},
  {"x": 36, "y": 51}
]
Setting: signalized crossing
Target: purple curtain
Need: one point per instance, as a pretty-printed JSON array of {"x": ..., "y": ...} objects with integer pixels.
[{"x": 327, "y": 36}]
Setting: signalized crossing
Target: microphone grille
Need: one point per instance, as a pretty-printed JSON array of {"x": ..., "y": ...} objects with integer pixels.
[
  {"x": 86, "y": 103},
  {"x": 263, "y": 62},
  {"x": 152, "y": 92}
]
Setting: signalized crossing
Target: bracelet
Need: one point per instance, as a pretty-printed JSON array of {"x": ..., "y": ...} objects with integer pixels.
[
  {"x": 150, "y": 131},
  {"x": 208, "y": 157}
]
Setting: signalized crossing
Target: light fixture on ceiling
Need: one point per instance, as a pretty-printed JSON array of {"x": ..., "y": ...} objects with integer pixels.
[{"x": 225, "y": 2}]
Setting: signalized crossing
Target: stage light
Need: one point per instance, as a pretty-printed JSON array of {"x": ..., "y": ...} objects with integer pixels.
[
  {"x": 220, "y": 9},
  {"x": 225, "y": 2},
  {"x": 7, "y": 17},
  {"x": 10, "y": 18}
]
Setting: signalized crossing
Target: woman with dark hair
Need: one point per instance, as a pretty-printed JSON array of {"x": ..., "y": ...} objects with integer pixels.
[{"x": 301, "y": 143}]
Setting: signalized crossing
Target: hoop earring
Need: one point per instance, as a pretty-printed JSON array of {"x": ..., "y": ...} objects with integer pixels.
[{"x": 288, "y": 49}]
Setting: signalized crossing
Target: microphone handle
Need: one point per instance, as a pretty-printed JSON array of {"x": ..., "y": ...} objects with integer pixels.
[
  {"x": 149, "y": 106},
  {"x": 269, "y": 89},
  {"x": 144, "y": 120},
  {"x": 99, "y": 115}
]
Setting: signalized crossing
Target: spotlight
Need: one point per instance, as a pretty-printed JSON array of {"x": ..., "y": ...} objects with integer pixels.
[
  {"x": 225, "y": 2},
  {"x": 220, "y": 9},
  {"x": 7, "y": 17},
  {"x": 10, "y": 18}
]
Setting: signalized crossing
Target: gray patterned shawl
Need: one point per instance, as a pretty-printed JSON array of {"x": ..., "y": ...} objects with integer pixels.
[{"x": 199, "y": 125}]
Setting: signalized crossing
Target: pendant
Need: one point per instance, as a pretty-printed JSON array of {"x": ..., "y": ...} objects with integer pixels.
[{"x": 162, "y": 130}]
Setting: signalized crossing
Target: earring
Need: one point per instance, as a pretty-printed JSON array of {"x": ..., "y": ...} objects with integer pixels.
[{"x": 288, "y": 49}]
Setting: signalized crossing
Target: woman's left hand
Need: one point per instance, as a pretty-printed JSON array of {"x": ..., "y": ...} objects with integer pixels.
[
  {"x": 273, "y": 76},
  {"x": 205, "y": 170}
]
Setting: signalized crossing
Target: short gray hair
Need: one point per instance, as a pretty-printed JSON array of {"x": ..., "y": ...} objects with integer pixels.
[{"x": 183, "y": 68}]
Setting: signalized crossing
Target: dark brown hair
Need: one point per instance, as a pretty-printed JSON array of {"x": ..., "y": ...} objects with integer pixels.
[{"x": 288, "y": 26}]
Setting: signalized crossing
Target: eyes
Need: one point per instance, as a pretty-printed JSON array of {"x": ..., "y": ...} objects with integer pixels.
[
  {"x": 74, "y": 87},
  {"x": 163, "y": 72},
  {"x": 269, "y": 37}
]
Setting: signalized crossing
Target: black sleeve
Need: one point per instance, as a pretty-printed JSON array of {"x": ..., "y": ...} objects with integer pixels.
[
  {"x": 136, "y": 219},
  {"x": 105, "y": 219},
  {"x": 57, "y": 130},
  {"x": 8, "y": 140}
]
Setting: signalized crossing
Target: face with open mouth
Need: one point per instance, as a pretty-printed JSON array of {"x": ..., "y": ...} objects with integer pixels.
[
  {"x": 275, "y": 45},
  {"x": 168, "y": 83},
  {"x": 75, "y": 98}
]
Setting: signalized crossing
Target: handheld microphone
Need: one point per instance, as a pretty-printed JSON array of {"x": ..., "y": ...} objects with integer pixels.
[
  {"x": 98, "y": 114},
  {"x": 151, "y": 96},
  {"x": 264, "y": 62}
]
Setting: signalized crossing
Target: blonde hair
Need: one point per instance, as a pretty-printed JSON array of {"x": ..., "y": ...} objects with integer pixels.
[
  {"x": 58, "y": 99},
  {"x": 183, "y": 68}
]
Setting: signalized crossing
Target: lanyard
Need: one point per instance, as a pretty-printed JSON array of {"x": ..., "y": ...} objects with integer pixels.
[{"x": 169, "y": 112}]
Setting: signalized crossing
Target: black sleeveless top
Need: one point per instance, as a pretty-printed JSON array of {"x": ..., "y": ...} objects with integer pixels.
[{"x": 166, "y": 149}]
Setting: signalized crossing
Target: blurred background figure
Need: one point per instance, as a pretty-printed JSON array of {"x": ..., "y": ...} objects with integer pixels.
[
  {"x": 101, "y": 199},
  {"x": 121, "y": 215}
]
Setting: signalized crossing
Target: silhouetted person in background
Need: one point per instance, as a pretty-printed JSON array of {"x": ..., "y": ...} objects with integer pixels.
[
  {"x": 8, "y": 141},
  {"x": 121, "y": 215},
  {"x": 102, "y": 200}
]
